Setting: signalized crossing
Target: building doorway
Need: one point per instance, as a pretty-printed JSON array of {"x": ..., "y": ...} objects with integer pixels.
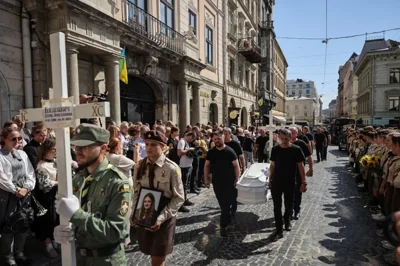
[
  {"x": 138, "y": 102},
  {"x": 243, "y": 117},
  {"x": 213, "y": 113}
]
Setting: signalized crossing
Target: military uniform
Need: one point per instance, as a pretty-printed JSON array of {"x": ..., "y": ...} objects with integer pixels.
[
  {"x": 101, "y": 229},
  {"x": 101, "y": 204}
]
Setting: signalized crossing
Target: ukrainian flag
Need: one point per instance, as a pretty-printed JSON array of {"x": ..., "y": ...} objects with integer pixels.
[
  {"x": 260, "y": 102},
  {"x": 123, "y": 72}
]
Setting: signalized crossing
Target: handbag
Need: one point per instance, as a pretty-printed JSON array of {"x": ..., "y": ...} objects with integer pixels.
[{"x": 20, "y": 220}]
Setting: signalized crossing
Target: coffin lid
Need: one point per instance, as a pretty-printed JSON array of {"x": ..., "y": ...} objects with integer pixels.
[{"x": 255, "y": 176}]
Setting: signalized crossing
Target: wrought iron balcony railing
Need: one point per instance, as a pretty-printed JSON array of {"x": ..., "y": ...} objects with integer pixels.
[
  {"x": 249, "y": 48},
  {"x": 152, "y": 28}
]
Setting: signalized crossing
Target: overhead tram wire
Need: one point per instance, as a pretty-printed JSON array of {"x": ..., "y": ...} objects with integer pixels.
[
  {"x": 326, "y": 43},
  {"x": 336, "y": 38}
]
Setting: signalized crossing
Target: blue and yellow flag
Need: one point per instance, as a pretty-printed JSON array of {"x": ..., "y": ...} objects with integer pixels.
[
  {"x": 123, "y": 71},
  {"x": 260, "y": 102}
]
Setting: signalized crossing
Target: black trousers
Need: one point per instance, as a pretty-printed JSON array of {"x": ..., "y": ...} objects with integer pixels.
[
  {"x": 200, "y": 173},
  {"x": 288, "y": 193},
  {"x": 262, "y": 158},
  {"x": 297, "y": 195},
  {"x": 186, "y": 171},
  {"x": 226, "y": 195},
  {"x": 193, "y": 175},
  {"x": 325, "y": 152},
  {"x": 320, "y": 152}
]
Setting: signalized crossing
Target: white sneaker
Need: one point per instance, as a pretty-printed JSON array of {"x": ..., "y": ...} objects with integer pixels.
[
  {"x": 386, "y": 244},
  {"x": 379, "y": 217},
  {"x": 361, "y": 185}
]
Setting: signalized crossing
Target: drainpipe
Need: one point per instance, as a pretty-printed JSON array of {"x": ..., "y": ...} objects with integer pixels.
[
  {"x": 373, "y": 90},
  {"x": 225, "y": 90},
  {"x": 27, "y": 57}
]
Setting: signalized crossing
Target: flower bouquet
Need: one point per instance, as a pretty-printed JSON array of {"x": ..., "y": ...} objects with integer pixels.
[{"x": 370, "y": 162}]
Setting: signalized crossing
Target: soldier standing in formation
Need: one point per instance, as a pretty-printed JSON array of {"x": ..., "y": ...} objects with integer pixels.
[{"x": 98, "y": 208}]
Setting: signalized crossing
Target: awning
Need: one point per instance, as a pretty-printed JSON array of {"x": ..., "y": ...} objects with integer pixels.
[{"x": 278, "y": 118}]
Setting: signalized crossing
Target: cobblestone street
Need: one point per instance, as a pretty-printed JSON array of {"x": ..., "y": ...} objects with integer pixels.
[{"x": 334, "y": 228}]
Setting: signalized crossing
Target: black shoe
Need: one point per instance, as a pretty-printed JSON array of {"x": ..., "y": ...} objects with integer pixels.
[
  {"x": 195, "y": 191},
  {"x": 188, "y": 203},
  {"x": 296, "y": 216},
  {"x": 223, "y": 232},
  {"x": 276, "y": 235},
  {"x": 21, "y": 259},
  {"x": 233, "y": 218},
  {"x": 288, "y": 226},
  {"x": 129, "y": 247},
  {"x": 9, "y": 261},
  {"x": 318, "y": 161},
  {"x": 183, "y": 209}
]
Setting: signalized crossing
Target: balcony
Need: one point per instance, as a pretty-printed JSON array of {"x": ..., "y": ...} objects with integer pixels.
[
  {"x": 267, "y": 25},
  {"x": 153, "y": 29},
  {"x": 250, "y": 50}
]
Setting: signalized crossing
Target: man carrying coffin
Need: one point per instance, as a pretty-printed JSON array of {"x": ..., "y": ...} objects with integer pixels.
[{"x": 98, "y": 208}]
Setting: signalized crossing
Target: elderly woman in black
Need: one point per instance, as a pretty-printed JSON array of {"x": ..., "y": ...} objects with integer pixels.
[{"x": 17, "y": 179}]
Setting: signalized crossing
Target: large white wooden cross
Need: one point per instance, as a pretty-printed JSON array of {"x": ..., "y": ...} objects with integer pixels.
[
  {"x": 271, "y": 128},
  {"x": 60, "y": 113}
]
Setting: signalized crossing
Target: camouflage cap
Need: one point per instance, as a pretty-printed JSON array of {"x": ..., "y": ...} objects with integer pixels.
[{"x": 89, "y": 134}]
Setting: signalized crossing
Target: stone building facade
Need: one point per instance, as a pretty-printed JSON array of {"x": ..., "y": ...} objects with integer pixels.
[
  {"x": 188, "y": 61},
  {"x": 12, "y": 59},
  {"x": 241, "y": 59},
  {"x": 378, "y": 72}
]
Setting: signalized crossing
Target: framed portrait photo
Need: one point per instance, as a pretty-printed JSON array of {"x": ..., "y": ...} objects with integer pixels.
[{"x": 147, "y": 207}]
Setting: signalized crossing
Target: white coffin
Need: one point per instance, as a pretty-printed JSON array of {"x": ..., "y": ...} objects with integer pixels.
[{"x": 253, "y": 184}]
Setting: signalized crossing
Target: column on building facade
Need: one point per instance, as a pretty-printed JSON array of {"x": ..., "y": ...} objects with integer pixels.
[
  {"x": 73, "y": 71},
  {"x": 184, "y": 107},
  {"x": 196, "y": 104},
  {"x": 112, "y": 86}
]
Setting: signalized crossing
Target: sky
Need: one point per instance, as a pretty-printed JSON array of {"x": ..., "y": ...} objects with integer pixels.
[{"x": 306, "y": 18}]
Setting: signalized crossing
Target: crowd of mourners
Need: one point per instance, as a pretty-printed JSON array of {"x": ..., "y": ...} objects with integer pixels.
[
  {"x": 134, "y": 156},
  {"x": 375, "y": 157}
]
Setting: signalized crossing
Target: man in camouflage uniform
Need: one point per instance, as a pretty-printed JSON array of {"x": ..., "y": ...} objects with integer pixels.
[{"x": 98, "y": 208}]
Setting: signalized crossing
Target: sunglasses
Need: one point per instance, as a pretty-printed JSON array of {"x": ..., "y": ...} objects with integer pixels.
[{"x": 15, "y": 139}]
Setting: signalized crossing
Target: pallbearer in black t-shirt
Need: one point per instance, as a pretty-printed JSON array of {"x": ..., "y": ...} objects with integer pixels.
[
  {"x": 306, "y": 152},
  {"x": 286, "y": 158},
  {"x": 223, "y": 165}
]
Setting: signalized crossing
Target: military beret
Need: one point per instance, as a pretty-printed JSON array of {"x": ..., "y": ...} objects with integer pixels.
[
  {"x": 89, "y": 134},
  {"x": 155, "y": 135}
]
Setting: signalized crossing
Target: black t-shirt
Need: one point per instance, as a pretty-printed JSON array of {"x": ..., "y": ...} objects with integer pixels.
[
  {"x": 304, "y": 138},
  {"x": 248, "y": 144},
  {"x": 327, "y": 134},
  {"x": 173, "y": 150},
  {"x": 261, "y": 141},
  {"x": 221, "y": 166},
  {"x": 235, "y": 147},
  {"x": 310, "y": 136},
  {"x": 320, "y": 139},
  {"x": 286, "y": 160},
  {"x": 303, "y": 146},
  {"x": 241, "y": 139}
]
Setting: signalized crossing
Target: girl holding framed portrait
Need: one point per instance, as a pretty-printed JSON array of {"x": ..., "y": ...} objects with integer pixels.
[{"x": 157, "y": 198}]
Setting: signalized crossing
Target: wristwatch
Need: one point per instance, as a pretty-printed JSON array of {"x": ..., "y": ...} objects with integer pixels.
[{"x": 304, "y": 183}]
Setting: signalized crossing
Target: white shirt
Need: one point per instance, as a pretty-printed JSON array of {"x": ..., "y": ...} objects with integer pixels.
[
  {"x": 124, "y": 164},
  {"x": 6, "y": 176},
  {"x": 142, "y": 150},
  {"x": 185, "y": 161}
]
